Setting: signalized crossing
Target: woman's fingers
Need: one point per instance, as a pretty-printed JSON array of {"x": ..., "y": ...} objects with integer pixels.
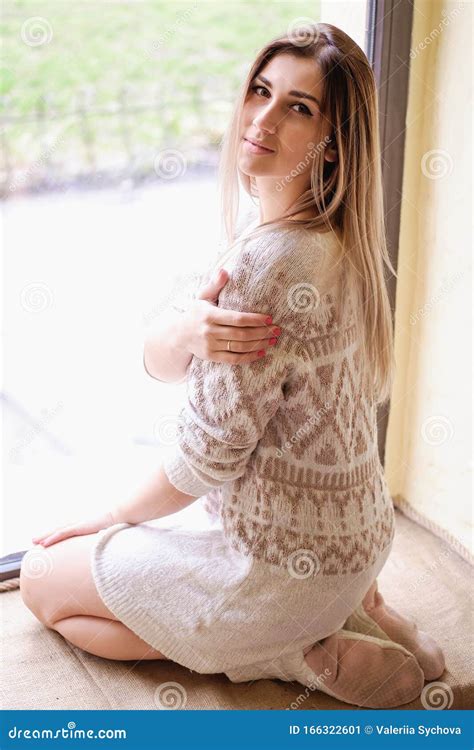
[
  {"x": 89, "y": 526},
  {"x": 56, "y": 536},
  {"x": 223, "y": 317},
  {"x": 59, "y": 534},
  {"x": 234, "y": 333},
  {"x": 53, "y": 539},
  {"x": 40, "y": 537},
  {"x": 244, "y": 347}
]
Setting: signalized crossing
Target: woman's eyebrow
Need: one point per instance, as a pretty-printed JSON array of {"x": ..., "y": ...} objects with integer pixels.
[{"x": 300, "y": 94}]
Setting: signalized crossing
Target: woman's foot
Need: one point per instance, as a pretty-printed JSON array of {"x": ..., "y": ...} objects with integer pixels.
[
  {"x": 365, "y": 671},
  {"x": 395, "y": 627}
]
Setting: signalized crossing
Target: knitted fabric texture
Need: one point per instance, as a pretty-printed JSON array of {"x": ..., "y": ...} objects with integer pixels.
[{"x": 285, "y": 448}]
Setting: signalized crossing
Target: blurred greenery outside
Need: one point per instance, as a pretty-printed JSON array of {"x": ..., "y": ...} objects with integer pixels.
[{"x": 176, "y": 66}]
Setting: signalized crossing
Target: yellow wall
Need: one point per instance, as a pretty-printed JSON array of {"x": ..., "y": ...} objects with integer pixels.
[{"x": 428, "y": 451}]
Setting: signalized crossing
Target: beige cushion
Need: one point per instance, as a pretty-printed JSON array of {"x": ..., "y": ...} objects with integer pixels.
[{"x": 423, "y": 578}]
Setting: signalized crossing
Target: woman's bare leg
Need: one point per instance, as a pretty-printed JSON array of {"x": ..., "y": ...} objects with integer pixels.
[
  {"x": 56, "y": 584},
  {"x": 109, "y": 639}
]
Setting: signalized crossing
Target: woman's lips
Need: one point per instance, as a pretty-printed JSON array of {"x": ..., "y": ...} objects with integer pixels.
[{"x": 256, "y": 149}]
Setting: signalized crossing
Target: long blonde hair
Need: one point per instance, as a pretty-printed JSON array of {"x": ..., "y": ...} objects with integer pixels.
[{"x": 346, "y": 195}]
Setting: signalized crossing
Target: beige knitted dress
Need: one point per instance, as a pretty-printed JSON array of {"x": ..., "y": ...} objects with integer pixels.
[{"x": 283, "y": 455}]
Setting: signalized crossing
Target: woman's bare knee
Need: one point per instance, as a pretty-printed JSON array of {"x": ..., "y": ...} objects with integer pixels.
[
  {"x": 56, "y": 581},
  {"x": 31, "y": 571}
]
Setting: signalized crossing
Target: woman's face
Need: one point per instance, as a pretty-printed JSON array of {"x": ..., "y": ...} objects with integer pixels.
[{"x": 289, "y": 124}]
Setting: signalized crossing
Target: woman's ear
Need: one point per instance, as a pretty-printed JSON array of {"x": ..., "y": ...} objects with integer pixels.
[{"x": 330, "y": 153}]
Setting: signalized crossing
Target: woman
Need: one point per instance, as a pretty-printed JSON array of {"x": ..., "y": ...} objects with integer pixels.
[{"x": 281, "y": 449}]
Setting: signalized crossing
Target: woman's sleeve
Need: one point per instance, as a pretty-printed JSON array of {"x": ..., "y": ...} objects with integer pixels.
[{"x": 229, "y": 406}]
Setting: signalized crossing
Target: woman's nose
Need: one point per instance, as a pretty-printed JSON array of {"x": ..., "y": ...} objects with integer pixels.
[{"x": 266, "y": 120}]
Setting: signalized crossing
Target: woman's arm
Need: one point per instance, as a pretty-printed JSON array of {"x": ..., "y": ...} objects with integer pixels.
[
  {"x": 155, "y": 499},
  {"x": 203, "y": 330},
  {"x": 165, "y": 356},
  {"x": 228, "y": 408},
  {"x": 168, "y": 348}
]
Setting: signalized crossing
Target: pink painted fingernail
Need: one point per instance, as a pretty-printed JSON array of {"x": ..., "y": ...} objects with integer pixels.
[
  {"x": 268, "y": 320},
  {"x": 272, "y": 341},
  {"x": 261, "y": 353}
]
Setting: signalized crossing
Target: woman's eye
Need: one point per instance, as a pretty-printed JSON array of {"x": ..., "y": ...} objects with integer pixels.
[
  {"x": 306, "y": 111},
  {"x": 254, "y": 88}
]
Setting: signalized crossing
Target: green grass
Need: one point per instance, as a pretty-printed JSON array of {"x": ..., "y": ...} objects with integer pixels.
[{"x": 106, "y": 45}]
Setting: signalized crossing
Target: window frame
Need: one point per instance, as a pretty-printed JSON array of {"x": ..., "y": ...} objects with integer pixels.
[{"x": 389, "y": 29}]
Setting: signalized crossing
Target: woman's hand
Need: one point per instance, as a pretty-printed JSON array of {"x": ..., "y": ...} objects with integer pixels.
[
  {"x": 208, "y": 328},
  {"x": 75, "y": 529}
]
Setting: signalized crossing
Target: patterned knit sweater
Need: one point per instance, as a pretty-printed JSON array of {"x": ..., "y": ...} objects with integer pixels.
[{"x": 286, "y": 447}]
